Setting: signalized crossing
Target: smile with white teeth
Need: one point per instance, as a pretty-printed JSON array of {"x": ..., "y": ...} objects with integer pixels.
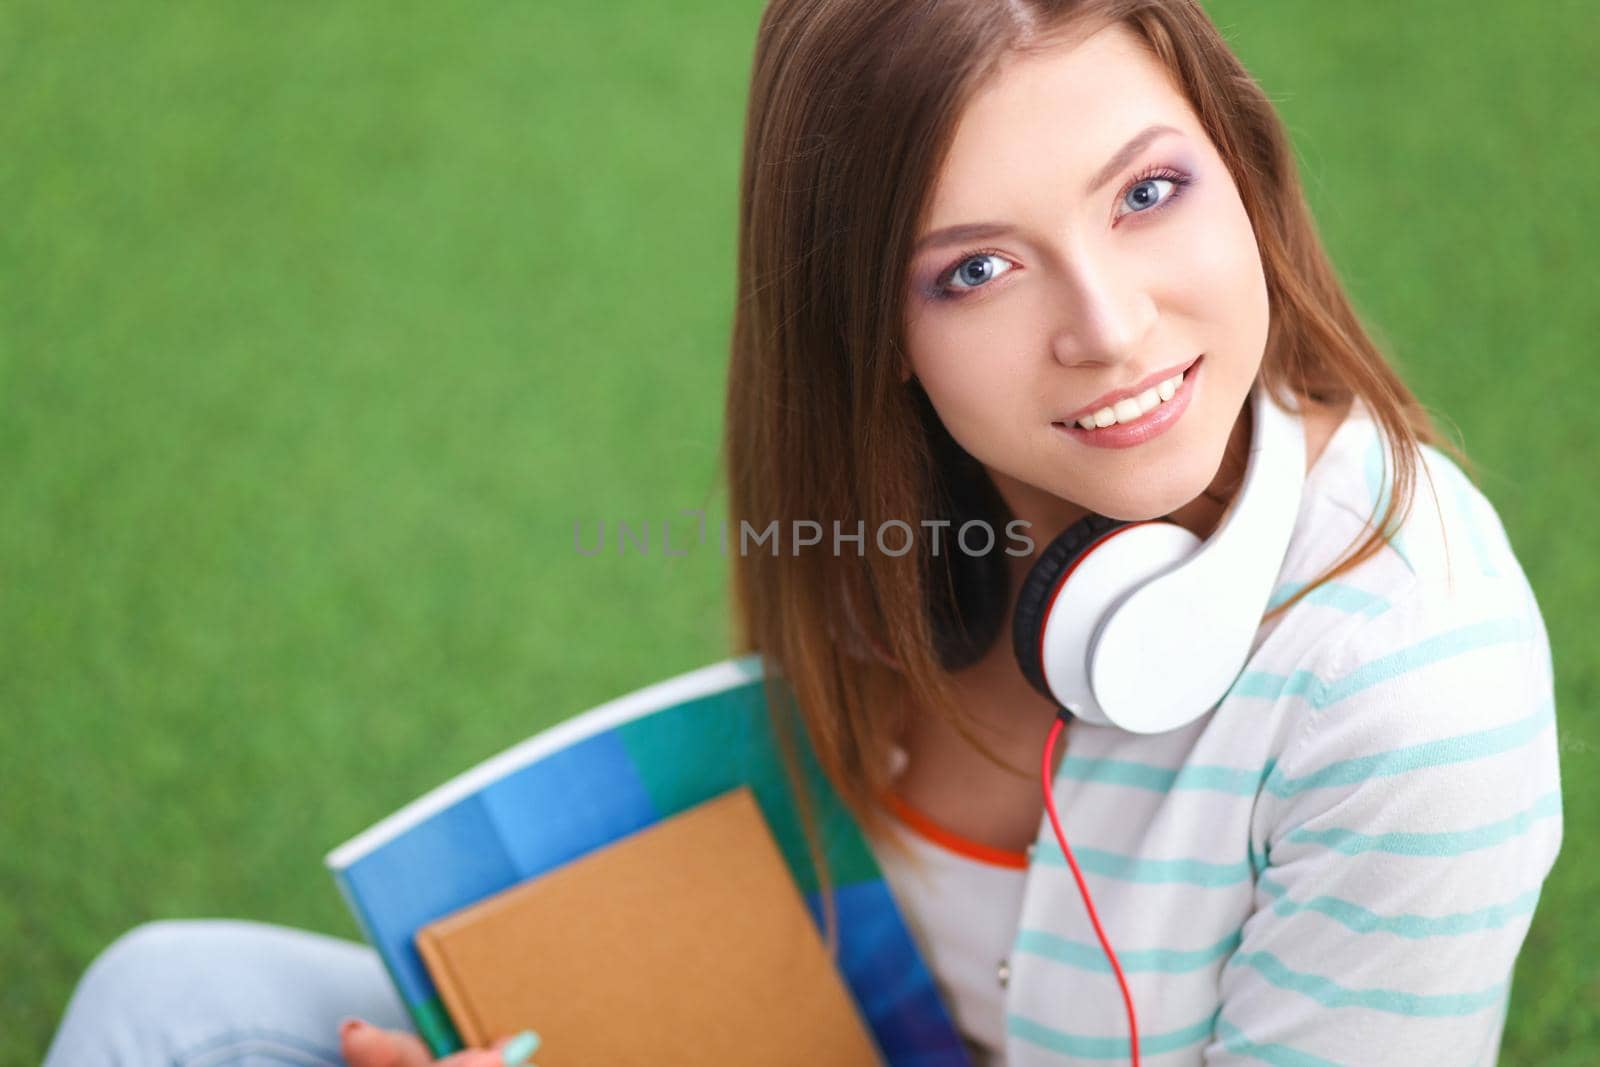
[{"x": 1133, "y": 407}]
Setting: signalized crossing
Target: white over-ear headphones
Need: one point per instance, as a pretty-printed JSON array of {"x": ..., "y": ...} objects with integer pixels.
[{"x": 1140, "y": 624}]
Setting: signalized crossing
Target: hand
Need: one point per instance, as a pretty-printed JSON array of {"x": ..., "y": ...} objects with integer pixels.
[{"x": 365, "y": 1045}]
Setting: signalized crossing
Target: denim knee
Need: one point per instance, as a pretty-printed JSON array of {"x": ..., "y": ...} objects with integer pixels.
[{"x": 206, "y": 992}]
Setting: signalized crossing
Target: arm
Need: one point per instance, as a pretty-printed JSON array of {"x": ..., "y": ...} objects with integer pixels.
[{"x": 1407, "y": 829}]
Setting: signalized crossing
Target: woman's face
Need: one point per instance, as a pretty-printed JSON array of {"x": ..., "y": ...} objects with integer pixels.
[{"x": 1117, "y": 255}]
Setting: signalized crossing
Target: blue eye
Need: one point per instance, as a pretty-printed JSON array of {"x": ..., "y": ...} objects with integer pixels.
[
  {"x": 1144, "y": 195},
  {"x": 975, "y": 270},
  {"x": 1147, "y": 194}
]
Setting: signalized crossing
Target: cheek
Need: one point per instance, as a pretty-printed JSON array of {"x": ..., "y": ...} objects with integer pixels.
[
  {"x": 952, "y": 384},
  {"x": 973, "y": 382},
  {"x": 979, "y": 354},
  {"x": 1221, "y": 264}
]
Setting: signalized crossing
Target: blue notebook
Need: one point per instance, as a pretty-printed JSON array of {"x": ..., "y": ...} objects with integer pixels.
[{"x": 603, "y": 775}]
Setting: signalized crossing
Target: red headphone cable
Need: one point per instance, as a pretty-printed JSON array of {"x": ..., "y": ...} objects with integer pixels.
[{"x": 1062, "y": 717}]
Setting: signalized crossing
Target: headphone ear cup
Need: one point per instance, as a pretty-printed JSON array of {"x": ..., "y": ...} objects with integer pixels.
[{"x": 1039, "y": 586}]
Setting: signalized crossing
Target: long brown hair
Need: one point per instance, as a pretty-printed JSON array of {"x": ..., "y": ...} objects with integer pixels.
[{"x": 852, "y": 108}]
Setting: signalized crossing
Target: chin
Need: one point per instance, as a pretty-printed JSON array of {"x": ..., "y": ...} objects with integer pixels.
[{"x": 1154, "y": 503}]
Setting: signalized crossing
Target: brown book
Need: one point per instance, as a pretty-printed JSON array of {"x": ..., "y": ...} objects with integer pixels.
[{"x": 687, "y": 942}]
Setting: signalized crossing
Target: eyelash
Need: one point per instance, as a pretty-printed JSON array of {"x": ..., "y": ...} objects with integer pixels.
[{"x": 1179, "y": 181}]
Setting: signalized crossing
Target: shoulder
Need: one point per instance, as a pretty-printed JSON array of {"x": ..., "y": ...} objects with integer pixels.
[
  {"x": 1424, "y": 751},
  {"x": 1449, "y": 537},
  {"x": 1431, "y": 721},
  {"x": 1433, "y": 646},
  {"x": 1429, "y": 665},
  {"x": 1444, "y": 557}
]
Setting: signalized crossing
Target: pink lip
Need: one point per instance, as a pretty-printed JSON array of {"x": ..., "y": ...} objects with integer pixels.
[
  {"x": 1141, "y": 430},
  {"x": 1110, "y": 400}
]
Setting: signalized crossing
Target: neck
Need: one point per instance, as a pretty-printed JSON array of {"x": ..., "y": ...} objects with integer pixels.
[{"x": 1201, "y": 516}]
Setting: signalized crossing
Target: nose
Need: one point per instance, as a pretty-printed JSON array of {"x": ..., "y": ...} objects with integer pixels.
[{"x": 1104, "y": 314}]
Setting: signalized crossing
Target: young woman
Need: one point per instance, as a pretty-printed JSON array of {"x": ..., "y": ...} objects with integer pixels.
[
  {"x": 974, "y": 235},
  {"x": 968, "y": 230}
]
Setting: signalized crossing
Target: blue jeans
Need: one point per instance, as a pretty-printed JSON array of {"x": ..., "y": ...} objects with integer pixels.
[{"x": 208, "y": 992}]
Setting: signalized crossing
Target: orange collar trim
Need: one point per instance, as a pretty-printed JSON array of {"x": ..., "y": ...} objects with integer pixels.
[{"x": 931, "y": 830}]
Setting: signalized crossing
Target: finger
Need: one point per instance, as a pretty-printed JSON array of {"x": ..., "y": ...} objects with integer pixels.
[
  {"x": 472, "y": 1057},
  {"x": 365, "y": 1045}
]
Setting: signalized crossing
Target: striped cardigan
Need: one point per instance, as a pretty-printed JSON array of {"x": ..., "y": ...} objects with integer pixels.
[{"x": 1339, "y": 862}]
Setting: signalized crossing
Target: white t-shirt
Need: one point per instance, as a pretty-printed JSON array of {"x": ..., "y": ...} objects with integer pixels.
[{"x": 961, "y": 902}]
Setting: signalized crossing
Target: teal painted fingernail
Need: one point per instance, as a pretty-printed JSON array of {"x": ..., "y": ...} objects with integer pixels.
[{"x": 519, "y": 1048}]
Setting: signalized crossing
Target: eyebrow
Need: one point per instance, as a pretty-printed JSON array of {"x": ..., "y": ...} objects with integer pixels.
[{"x": 975, "y": 231}]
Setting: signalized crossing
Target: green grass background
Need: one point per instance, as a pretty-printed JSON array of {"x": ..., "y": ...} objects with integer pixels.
[{"x": 321, "y": 324}]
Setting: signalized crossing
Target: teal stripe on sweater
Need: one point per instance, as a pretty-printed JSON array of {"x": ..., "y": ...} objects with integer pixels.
[
  {"x": 1331, "y": 994},
  {"x": 1247, "y": 781},
  {"x": 1341, "y": 596},
  {"x": 1196, "y": 777},
  {"x": 1127, "y": 868},
  {"x": 1089, "y": 956},
  {"x": 1443, "y": 646},
  {"x": 1234, "y": 1040},
  {"x": 1366, "y": 921},
  {"x": 1271, "y": 686},
  {"x": 1208, "y": 874},
  {"x": 1460, "y": 748},
  {"x": 1447, "y": 645},
  {"x": 1438, "y": 844},
  {"x": 1095, "y": 1047}
]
